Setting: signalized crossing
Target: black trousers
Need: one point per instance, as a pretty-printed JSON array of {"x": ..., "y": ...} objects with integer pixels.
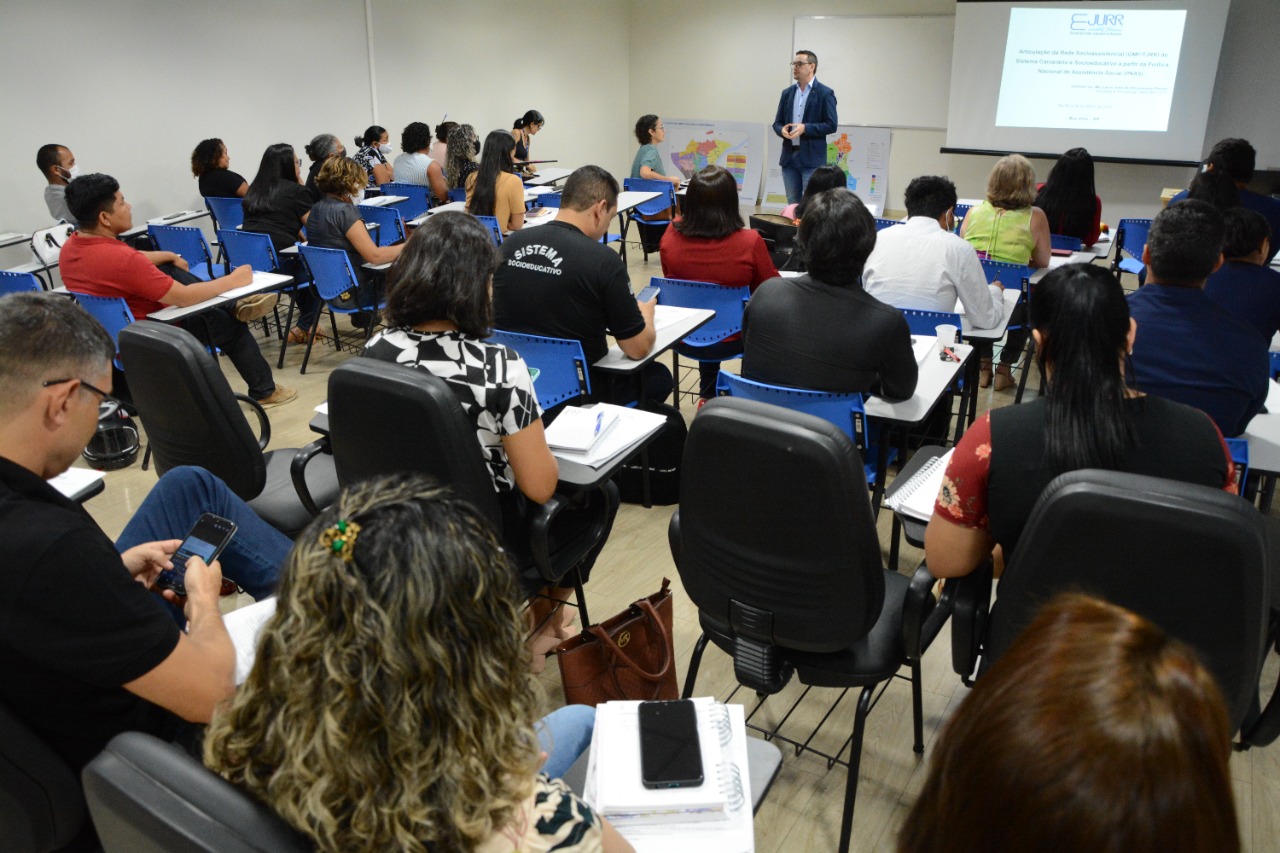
[{"x": 220, "y": 328}]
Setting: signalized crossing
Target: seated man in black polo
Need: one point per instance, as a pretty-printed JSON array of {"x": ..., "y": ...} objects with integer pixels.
[{"x": 559, "y": 281}]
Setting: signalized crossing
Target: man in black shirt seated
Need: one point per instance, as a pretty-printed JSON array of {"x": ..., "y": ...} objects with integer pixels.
[
  {"x": 822, "y": 331},
  {"x": 87, "y": 647},
  {"x": 559, "y": 281}
]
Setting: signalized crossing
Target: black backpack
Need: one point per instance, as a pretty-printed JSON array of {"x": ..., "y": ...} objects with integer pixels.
[{"x": 665, "y": 453}]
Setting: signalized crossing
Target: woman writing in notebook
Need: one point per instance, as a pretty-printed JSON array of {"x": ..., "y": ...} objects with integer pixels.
[
  {"x": 389, "y": 706},
  {"x": 439, "y": 312},
  {"x": 1088, "y": 419}
]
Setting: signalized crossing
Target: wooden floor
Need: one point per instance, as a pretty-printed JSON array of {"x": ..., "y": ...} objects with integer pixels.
[{"x": 802, "y": 811}]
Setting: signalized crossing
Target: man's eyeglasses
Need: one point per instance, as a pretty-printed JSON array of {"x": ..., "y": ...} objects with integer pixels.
[
  {"x": 799, "y": 64},
  {"x": 109, "y": 403}
]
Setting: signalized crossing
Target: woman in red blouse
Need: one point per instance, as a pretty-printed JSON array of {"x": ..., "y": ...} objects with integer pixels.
[
  {"x": 1089, "y": 419},
  {"x": 710, "y": 243}
]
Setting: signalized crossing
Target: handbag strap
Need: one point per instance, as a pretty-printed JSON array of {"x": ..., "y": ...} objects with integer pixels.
[{"x": 615, "y": 650}]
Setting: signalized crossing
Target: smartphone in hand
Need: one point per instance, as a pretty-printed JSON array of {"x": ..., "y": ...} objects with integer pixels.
[{"x": 206, "y": 540}]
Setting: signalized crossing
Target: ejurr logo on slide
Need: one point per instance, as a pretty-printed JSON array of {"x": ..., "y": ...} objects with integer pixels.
[{"x": 1097, "y": 22}]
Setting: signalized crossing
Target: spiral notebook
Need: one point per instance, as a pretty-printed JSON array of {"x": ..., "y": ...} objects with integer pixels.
[
  {"x": 916, "y": 496},
  {"x": 713, "y": 816}
]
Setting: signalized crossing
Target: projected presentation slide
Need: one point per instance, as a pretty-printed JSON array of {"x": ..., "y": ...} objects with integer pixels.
[{"x": 1095, "y": 69}]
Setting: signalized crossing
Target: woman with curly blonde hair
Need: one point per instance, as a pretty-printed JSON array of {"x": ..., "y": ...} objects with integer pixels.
[
  {"x": 463, "y": 146},
  {"x": 389, "y": 707}
]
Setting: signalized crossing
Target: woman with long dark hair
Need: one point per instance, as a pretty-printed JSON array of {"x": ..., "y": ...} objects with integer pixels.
[
  {"x": 493, "y": 190},
  {"x": 277, "y": 204},
  {"x": 522, "y": 131},
  {"x": 824, "y": 178},
  {"x": 709, "y": 243},
  {"x": 389, "y": 706},
  {"x": 1069, "y": 199},
  {"x": 1089, "y": 419},
  {"x": 374, "y": 145}
]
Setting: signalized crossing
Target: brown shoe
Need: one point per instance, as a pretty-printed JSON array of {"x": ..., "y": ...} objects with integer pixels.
[
  {"x": 1004, "y": 378},
  {"x": 255, "y": 307},
  {"x": 297, "y": 335},
  {"x": 277, "y": 397}
]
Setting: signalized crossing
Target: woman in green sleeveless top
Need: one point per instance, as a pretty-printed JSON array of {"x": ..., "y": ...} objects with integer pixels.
[{"x": 1005, "y": 227}]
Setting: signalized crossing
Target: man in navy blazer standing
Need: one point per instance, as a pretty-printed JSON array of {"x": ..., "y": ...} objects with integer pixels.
[{"x": 806, "y": 116}]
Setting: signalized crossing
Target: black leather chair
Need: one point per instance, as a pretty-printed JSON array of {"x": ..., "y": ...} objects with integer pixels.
[
  {"x": 192, "y": 417},
  {"x": 385, "y": 418},
  {"x": 41, "y": 805},
  {"x": 776, "y": 544},
  {"x": 779, "y": 235},
  {"x": 1191, "y": 559},
  {"x": 148, "y": 796}
]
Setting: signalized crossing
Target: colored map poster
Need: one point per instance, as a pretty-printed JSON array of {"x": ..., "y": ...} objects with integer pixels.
[
  {"x": 692, "y": 145},
  {"x": 862, "y": 153}
]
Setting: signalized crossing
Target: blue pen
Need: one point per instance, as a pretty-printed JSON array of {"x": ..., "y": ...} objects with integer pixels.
[{"x": 599, "y": 421}]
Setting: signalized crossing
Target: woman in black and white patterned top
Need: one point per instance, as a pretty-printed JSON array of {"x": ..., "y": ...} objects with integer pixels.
[{"x": 438, "y": 312}]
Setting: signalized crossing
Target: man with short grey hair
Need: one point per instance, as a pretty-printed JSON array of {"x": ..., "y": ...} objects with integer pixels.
[{"x": 87, "y": 647}]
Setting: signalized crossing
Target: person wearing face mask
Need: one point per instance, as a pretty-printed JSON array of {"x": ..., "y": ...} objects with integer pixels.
[
  {"x": 209, "y": 162},
  {"x": 374, "y": 147},
  {"x": 58, "y": 165}
]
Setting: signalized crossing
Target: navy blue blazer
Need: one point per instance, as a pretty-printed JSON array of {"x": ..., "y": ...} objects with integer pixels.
[{"x": 819, "y": 122}]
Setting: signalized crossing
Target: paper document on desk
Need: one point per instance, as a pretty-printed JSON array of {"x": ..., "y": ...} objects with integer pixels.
[
  {"x": 633, "y": 426},
  {"x": 74, "y": 480},
  {"x": 244, "y": 625},
  {"x": 923, "y": 346},
  {"x": 668, "y": 315},
  {"x": 261, "y": 281}
]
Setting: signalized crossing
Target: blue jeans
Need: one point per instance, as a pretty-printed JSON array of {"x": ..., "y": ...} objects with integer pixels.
[
  {"x": 253, "y": 557},
  {"x": 565, "y": 734},
  {"x": 795, "y": 178}
]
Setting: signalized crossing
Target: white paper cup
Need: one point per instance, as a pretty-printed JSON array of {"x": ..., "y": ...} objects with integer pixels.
[{"x": 946, "y": 334}]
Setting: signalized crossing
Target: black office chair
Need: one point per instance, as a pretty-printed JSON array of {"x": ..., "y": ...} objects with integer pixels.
[
  {"x": 41, "y": 804},
  {"x": 1191, "y": 559},
  {"x": 148, "y": 796},
  {"x": 386, "y": 417},
  {"x": 192, "y": 417},
  {"x": 779, "y": 235},
  {"x": 776, "y": 544}
]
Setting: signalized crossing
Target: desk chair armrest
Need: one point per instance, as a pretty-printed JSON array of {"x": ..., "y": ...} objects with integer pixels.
[
  {"x": 298, "y": 472},
  {"x": 673, "y": 537},
  {"x": 970, "y": 609},
  {"x": 1266, "y": 728},
  {"x": 583, "y": 545},
  {"x": 264, "y": 423},
  {"x": 923, "y": 615}
]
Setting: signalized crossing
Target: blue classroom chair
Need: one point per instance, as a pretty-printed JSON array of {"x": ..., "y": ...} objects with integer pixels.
[
  {"x": 922, "y": 322},
  {"x": 666, "y": 201},
  {"x": 188, "y": 243},
  {"x": 390, "y": 224},
  {"x": 227, "y": 213},
  {"x": 419, "y": 198},
  {"x": 491, "y": 222},
  {"x": 332, "y": 275},
  {"x": 18, "y": 282},
  {"x": 882, "y": 224},
  {"x": 558, "y": 365},
  {"x": 727, "y": 302},
  {"x": 1131, "y": 236},
  {"x": 1065, "y": 243},
  {"x": 459, "y": 194}
]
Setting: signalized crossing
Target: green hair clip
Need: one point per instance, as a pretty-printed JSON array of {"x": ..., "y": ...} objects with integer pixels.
[{"x": 341, "y": 539}]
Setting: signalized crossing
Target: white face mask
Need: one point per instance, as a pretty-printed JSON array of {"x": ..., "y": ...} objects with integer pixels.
[
  {"x": 72, "y": 173},
  {"x": 384, "y": 148}
]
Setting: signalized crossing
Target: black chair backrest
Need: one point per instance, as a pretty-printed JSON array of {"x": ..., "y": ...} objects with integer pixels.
[
  {"x": 386, "y": 418},
  {"x": 775, "y": 514},
  {"x": 41, "y": 804},
  {"x": 147, "y": 796},
  {"x": 1191, "y": 559},
  {"x": 188, "y": 409}
]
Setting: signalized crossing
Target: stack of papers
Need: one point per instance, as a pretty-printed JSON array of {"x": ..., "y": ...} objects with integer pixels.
[
  {"x": 577, "y": 429},
  {"x": 632, "y": 427},
  {"x": 713, "y": 816},
  {"x": 244, "y": 625}
]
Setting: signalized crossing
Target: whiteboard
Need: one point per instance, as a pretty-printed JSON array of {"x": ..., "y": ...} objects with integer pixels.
[{"x": 892, "y": 71}]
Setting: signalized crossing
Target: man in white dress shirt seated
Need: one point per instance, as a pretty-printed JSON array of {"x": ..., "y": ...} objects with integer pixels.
[{"x": 921, "y": 264}]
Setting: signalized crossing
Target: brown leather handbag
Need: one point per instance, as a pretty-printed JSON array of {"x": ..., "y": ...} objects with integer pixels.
[{"x": 629, "y": 656}]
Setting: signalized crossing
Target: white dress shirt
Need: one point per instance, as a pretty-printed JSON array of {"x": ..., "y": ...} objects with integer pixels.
[{"x": 918, "y": 265}]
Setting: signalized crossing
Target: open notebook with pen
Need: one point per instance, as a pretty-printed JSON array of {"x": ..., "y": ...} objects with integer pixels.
[{"x": 915, "y": 498}]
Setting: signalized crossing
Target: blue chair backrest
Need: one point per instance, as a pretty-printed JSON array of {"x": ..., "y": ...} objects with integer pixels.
[
  {"x": 185, "y": 241},
  {"x": 1131, "y": 236},
  {"x": 882, "y": 224},
  {"x": 727, "y": 302},
  {"x": 330, "y": 270},
  {"x": 390, "y": 224},
  {"x": 1239, "y": 450},
  {"x": 419, "y": 198},
  {"x": 548, "y": 200},
  {"x": 228, "y": 213},
  {"x": 111, "y": 311},
  {"x": 491, "y": 223},
  {"x": 922, "y": 322},
  {"x": 1065, "y": 242},
  {"x": 844, "y": 410},
  {"x": 459, "y": 194},
  {"x": 665, "y": 201},
  {"x": 560, "y": 365},
  {"x": 962, "y": 210},
  {"x": 17, "y": 282},
  {"x": 1010, "y": 275},
  {"x": 248, "y": 247}
]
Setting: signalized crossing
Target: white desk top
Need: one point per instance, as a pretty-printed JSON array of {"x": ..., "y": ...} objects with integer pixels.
[
  {"x": 13, "y": 239},
  {"x": 629, "y": 199},
  {"x": 673, "y": 325},
  {"x": 935, "y": 377},
  {"x": 1263, "y": 435},
  {"x": 1085, "y": 257},
  {"x": 996, "y": 332},
  {"x": 384, "y": 200},
  {"x": 261, "y": 281},
  {"x": 549, "y": 176}
]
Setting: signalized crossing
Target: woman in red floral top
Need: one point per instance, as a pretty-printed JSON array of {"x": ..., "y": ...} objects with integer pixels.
[{"x": 1089, "y": 419}]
